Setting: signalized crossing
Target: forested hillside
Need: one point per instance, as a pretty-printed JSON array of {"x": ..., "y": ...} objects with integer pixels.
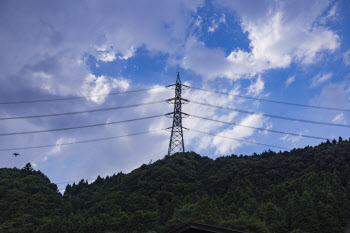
[{"x": 305, "y": 190}]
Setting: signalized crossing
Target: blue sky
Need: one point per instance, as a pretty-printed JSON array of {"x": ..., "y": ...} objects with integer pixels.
[{"x": 294, "y": 51}]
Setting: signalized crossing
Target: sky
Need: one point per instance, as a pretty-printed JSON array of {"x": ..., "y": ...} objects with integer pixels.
[{"x": 291, "y": 51}]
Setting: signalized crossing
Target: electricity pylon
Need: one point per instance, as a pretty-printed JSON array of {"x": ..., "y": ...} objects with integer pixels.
[{"x": 176, "y": 143}]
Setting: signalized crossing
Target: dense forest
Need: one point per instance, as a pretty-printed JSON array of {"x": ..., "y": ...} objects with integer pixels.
[{"x": 304, "y": 190}]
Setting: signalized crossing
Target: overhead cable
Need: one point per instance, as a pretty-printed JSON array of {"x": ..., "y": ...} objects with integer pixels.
[
  {"x": 241, "y": 140},
  {"x": 80, "y": 127},
  {"x": 80, "y": 97},
  {"x": 79, "y": 142},
  {"x": 262, "y": 129},
  {"x": 80, "y": 112},
  {"x": 273, "y": 101},
  {"x": 73, "y": 181},
  {"x": 272, "y": 116}
]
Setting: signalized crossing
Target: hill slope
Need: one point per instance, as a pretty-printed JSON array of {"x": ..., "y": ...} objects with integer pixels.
[
  {"x": 27, "y": 199},
  {"x": 305, "y": 190}
]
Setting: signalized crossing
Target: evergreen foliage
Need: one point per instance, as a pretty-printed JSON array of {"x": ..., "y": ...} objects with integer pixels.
[{"x": 304, "y": 190}]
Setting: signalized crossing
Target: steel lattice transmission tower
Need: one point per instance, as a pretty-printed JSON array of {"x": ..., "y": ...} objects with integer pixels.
[{"x": 177, "y": 139}]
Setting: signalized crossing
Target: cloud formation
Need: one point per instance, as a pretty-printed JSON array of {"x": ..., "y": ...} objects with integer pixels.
[
  {"x": 339, "y": 118},
  {"x": 224, "y": 146},
  {"x": 321, "y": 78},
  {"x": 346, "y": 58},
  {"x": 290, "y": 80},
  {"x": 52, "y": 41},
  {"x": 98, "y": 87},
  {"x": 281, "y": 33},
  {"x": 256, "y": 88}
]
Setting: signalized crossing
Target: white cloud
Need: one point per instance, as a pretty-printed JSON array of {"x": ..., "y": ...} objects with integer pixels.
[
  {"x": 257, "y": 87},
  {"x": 339, "y": 118},
  {"x": 213, "y": 27},
  {"x": 321, "y": 78},
  {"x": 280, "y": 34},
  {"x": 223, "y": 19},
  {"x": 57, "y": 39},
  {"x": 215, "y": 24},
  {"x": 224, "y": 146},
  {"x": 107, "y": 56},
  {"x": 290, "y": 138},
  {"x": 211, "y": 63},
  {"x": 288, "y": 33},
  {"x": 277, "y": 39},
  {"x": 57, "y": 148},
  {"x": 128, "y": 54},
  {"x": 44, "y": 80},
  {"x": 332, "y": 15},
  {"x": 99, "y": 87},
  {"x": 290, "y": 80},
  {"x": 346, "y": 58},
  {"x": 336, "y": 95},
  {"x": 194, "y": 109},
  {"x": 332, "y": 12}
]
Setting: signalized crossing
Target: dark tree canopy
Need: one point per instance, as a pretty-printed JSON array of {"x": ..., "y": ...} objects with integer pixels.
[{"x": 304, "y": 190}]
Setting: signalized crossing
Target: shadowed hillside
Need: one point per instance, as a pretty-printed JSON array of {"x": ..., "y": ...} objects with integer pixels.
[
  {"x": 27, "y": 199},
  {"x": 305, "y": 190}
]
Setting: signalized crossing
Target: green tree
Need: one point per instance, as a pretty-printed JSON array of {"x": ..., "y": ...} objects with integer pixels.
[
  {"x": 27, "y": 168},
  {"x": 272, "y": 214},
  {"x": 246, "y": 223},
  {"x": 181, "y": 215},
  {"x": 307, "y": 216},
  {"x": 206, "y": 211}
]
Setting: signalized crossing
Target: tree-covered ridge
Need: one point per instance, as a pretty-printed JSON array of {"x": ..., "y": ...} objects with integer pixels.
[
  {"x": 27, "y": 199},
  {"x": 304, "y": 190}
]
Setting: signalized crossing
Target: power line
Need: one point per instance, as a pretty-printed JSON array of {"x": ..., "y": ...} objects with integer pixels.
[
  {"x": 272, "y": 116},
  {"x": 273, "y": 101},
  {"x": 79, "y": 142},
  {"x": 80, "y": 97},
  {"x": 262, "y": 129},
  {"x": 80, "y": 127},
  {"x": 241, "y": 140},
  {"x": 73, "y": 181},
  {"x": 80, "y": 112}
]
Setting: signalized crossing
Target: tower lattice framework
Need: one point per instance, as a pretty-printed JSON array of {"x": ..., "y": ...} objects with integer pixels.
[{"x": 176, "y": 143}]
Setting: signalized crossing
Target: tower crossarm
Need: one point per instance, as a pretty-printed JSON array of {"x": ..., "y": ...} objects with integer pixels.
[
  {"x": 173, "y": 100},
  {"x": 183, "y": 86}
]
